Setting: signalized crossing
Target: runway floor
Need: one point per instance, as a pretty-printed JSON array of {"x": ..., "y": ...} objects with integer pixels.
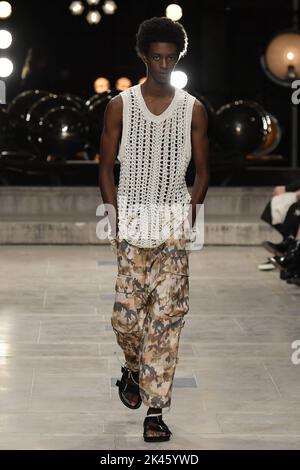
[{"x": 235, "y": 387}]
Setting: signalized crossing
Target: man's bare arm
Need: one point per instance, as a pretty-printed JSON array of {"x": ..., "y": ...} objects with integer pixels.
[
  {"x": 110, "y": 139},
  {"x": 200, "y": 151}
]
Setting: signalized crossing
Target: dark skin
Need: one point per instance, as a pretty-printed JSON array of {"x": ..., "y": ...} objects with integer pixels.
[{"x": 160, "y": 61}]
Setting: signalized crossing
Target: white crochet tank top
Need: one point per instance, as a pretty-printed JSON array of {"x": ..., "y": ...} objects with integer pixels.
[{"x": 154, "y": 154}]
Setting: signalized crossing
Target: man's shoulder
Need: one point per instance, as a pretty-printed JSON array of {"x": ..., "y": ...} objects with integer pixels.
[
  {"x": 114, "y": 108},
  {"x": 193, "y": 99},
  {"x": 115, "y": 102},
  {"x": 128, "y": 90},
  {"x": 123, "y": 96},
  {"x": 196, "y": 106},
  {"x": 185, "y": 94}
]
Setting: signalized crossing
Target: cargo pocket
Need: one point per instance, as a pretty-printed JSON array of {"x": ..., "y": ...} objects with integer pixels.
[
  {"x": 175, "y": 260},
  {"x": 131, "y": 291},
  {"x": 124, "y": 298},
  {"x": 124, "y": 317},
  {"x": 172, "y": 291},
  {"x": 170, "y": 297},
  {"x": 124, "y": 284},
  {"x": 178, "y": 302}
]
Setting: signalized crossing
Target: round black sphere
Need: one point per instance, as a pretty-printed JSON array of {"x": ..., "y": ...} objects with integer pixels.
[
  {"x": 241, "y": 126},
  {"x": 63, "y": 132}
]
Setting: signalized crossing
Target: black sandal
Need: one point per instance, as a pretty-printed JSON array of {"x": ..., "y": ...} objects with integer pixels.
[
  {"x": 155, "y": 423},
  {"x": 129, "y": 383}
]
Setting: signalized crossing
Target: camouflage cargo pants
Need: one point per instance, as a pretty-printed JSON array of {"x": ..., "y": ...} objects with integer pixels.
[{"x": 151, "y": 299}]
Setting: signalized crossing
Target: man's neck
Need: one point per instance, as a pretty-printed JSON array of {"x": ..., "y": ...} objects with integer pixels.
[{"x": 156, "y": 90}]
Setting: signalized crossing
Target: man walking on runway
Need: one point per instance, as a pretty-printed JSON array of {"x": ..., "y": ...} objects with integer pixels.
[{"x": 153, "y": 129}]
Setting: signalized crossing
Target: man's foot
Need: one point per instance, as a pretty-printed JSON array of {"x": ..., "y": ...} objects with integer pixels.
[
  {"x": 285, "y": 275},
  {"x": 155, "y": 430},
  {"x": 290, "y": 261},
  {"x": 267, "y": 266},
  {"x": 281, "y": 248},
  {"x": 294, "y": 279},
  {"x": 129, "y": 391}
]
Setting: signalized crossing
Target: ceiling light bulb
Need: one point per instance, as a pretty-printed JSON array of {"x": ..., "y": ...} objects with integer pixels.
[
  {"x": 109, "y": 7},
  {"x": 5, "y": 10},
  {"x": 76, "y": 8},
  {"x": 6, "y": 67},
  {"x": 93, "y": 2},
  {"x": 174, "y": 12},
  {"x": 93, "y": 17},
  {"x": 5, "y": 39}
]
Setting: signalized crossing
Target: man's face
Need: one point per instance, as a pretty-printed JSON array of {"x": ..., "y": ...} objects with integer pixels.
[{"x": 161, "y": 60}]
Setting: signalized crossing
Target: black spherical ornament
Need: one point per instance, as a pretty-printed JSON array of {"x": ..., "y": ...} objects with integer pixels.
[
  {"x": 5, "y": 129},
  {"x": 241, "y": 126},
  {"x": 17, "y": 111},
  {"x": 96, "y": 107},
  {"x": 39, "y": 109},
  {"x": 76, "y": 101},
  {"x": 20, "y": 105},
  {"x": 63, "y": 132}
]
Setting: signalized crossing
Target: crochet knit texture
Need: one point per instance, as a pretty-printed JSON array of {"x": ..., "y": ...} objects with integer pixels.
[{"x": 154, "y": 153}]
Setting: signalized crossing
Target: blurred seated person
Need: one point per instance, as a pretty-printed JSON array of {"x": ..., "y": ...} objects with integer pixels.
[
  {"x": 289, "y": 263},
  {"x": 283, "y": 214}
]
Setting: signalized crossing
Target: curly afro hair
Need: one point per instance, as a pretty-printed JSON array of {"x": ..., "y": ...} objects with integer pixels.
[{"x": 161, "y": 29}]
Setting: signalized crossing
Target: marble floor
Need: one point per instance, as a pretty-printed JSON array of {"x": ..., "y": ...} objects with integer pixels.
[{"x": 236, "y": 386}]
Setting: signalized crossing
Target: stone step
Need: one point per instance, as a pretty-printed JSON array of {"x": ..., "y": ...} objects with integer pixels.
[
  {"x": 82, "y": 201},
  {"x": 219, "y": 230},
  {"x": 66, "y": 215}
]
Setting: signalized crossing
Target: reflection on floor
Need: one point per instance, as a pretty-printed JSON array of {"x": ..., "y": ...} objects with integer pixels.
[{"x": 235, "y": 388}]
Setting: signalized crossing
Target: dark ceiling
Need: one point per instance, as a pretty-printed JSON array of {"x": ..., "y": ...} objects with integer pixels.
[{"x": 68, "y": 53}]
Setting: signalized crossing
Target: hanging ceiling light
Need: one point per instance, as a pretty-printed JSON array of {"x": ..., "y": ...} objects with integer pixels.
[
  {"x": 174, "y": 12},
  {"x": 5, "y": 10},
  {"x": 123, "y": 83},
  {"x": 109, "y": 7},
  {"x": 179, "y": 79},
  {"x": 76, "y": 8},
  {"x": 93, "y": 17},
  {"x": 5, "y": 39},
  {"x": 101, "y": 85},
  {"x": 281, "y": 60},
  {"x": 6, "y": 67}
]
